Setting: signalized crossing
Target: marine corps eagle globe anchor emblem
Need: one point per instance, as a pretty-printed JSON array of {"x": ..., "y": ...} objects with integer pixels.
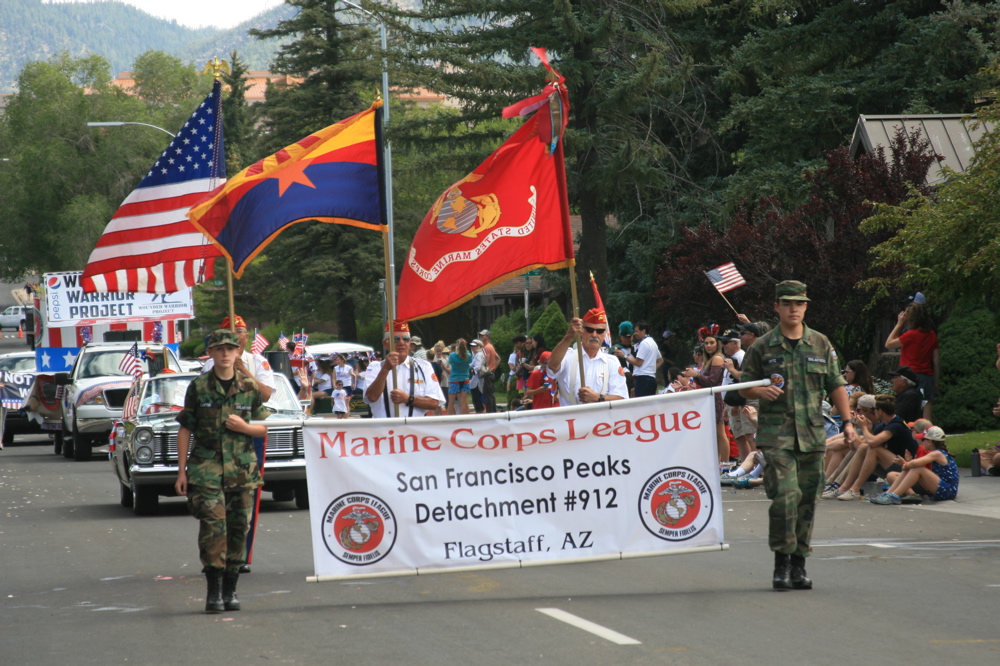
[
  {"x": 672, "y": 512},
  {"x": 455, "y": 214},
  {"x": 355, "y": 536}
]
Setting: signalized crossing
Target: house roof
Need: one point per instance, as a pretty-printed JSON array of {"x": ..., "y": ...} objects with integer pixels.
[
  {"x": 951, "y": 136},
  {"x": 515, "y": 286}
]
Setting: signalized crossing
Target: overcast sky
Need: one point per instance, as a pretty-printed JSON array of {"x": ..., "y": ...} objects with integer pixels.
[{"x": 201, "y": 13}]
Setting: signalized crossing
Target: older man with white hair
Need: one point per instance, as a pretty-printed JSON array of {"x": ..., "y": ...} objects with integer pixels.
[{"x": 603, "y": 377}]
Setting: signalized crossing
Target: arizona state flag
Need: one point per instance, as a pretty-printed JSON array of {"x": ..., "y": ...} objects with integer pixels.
[
  {"x": 507, "y": 217},
  {"x": 331, "y": 176}
]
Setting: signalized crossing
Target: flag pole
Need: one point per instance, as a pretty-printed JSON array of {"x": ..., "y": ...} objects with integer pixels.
[
  {"x": 564, "y": 197},
  {"x": 229, "y": 288},
  {"x": 728, "y": 303},
  {"x": 385, "y": 190}
]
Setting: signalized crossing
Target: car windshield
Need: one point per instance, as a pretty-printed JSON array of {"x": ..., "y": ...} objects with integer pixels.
[
  {"x": 104, "y": 363},
  {"x": 283, "y": 397},
  {"x": 164, "y": 394},
  {"x": 18, "y": 364}
]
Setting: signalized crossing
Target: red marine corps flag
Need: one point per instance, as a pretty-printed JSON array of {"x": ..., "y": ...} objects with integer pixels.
[{"x": 507, "y": 217}]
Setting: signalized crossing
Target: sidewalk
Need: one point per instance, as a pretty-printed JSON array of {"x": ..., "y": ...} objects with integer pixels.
[{"x": 977, "y": 496}]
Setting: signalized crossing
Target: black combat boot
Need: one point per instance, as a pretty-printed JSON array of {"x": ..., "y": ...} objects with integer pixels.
[
  {"x": 213, "y": 601},
  {"x": 797, "y": 575},
  {"x": 781, "y": 572},
  {"x": 229, "y": 598}
]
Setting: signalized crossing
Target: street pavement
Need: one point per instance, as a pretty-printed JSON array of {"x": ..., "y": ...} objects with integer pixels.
[{"x": 85, "y": 581}]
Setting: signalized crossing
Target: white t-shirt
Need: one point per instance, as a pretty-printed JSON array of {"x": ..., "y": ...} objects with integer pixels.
[
  {"x": 322, "y": 381},
  {"x": 649, "y": 353},
  {"x": 603, "y": 373},
  {"x": 339, "y": 400},
  {"x": 512, "y": 361},
  {"x": 424, "y": 384},
  {"x": 343, "y": 373},
  {"x": 727, "y": 378}
]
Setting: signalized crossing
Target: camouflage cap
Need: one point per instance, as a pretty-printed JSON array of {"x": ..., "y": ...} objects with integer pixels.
[
  {"x": 790, "y": 290},
  {"x": 223, "y": 336}
]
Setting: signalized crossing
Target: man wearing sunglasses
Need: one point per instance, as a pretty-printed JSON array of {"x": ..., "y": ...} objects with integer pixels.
[
  {"x": 603, "y": 376},
  {"x": 413, "y": 386}
]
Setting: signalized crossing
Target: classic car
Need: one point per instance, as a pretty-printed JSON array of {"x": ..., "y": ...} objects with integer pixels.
[
  {"x": 95, "y": 391},
  {"x": 144, "y": 444}
]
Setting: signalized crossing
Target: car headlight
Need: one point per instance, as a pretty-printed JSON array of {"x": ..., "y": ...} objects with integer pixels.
[
  {"x": 98, "y": 399},
  {"x": 143, "y": 436},
  {"x": 144, "y": 454}
]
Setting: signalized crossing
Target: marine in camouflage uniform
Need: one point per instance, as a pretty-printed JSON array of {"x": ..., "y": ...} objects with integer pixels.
[
  {"x": 803, "y": 367},
  {"x": 221, "y": 468}
]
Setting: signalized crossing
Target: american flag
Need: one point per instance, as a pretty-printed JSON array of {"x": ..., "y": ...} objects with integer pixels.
[
  {"x": 283, "y": 342},
  {"x": 130, "y": 363},
  {"x": 132, "y": 401},
  {"x": 150, "y": 246},
  {"x": 259, "y": 343},
  {"x": 300, "y": 344},
  {"x": 725, "y": 277}
]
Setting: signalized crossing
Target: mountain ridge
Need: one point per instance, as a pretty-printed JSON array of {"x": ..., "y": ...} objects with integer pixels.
[{"x": 31, "y": 30}]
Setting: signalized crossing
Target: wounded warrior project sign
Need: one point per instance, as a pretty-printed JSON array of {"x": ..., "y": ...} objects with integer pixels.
[
  {"x": 613, "y": 480},
  {"x": 66, "y": 304}
]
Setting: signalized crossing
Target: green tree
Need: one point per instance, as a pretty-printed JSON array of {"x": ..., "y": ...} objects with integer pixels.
[
  {"x": 63, "y": 180},
  {"x": 969, "y": 384},
  {"x": 551, "y": 325},
  {"x": 945, "y": 242},
  {"x": 635, "y": 97},
  {"x": 237, "y": 116},
  {"x": 319, "y": 272},
  {"x": 796, "y": 76}
]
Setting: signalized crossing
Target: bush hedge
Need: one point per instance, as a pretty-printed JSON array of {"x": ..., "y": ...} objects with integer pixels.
[{"x": 969, "y": 383}]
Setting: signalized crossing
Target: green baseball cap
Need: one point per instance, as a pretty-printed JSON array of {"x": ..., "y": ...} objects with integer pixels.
[
  {"x": 790, "y": 290},
  {"x": 223, "y": 336}
]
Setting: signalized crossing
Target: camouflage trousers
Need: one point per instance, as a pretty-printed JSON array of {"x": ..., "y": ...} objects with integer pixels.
[
  {"x": 793, "y": 480},
  {"x": 224, "y": 518}
]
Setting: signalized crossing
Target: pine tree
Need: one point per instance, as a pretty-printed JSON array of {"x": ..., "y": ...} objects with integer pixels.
[
  {"x": 329, "y": 268},
  {"x": 635, "y": 118}
]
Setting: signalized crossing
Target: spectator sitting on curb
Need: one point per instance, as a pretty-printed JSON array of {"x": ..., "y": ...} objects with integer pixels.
[
  {"x": 883, "y": 449},
  {"x": 934, "y": 475}
]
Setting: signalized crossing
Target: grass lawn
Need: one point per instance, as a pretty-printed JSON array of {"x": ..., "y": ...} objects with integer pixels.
[{"x": 961, "y": 445}]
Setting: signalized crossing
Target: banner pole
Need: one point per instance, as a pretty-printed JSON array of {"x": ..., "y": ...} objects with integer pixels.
[{"x": 576, "y": 315}]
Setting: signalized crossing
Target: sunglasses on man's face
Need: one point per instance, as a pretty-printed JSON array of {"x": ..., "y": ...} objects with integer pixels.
[
  {"x": 402, "y": 338},
  {"x": 594, "y": 330}
]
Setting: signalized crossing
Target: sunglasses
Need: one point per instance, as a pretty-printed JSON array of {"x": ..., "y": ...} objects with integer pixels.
[
  {"x": 402, "y": 338},
  {"x": 594, "y": 330}
]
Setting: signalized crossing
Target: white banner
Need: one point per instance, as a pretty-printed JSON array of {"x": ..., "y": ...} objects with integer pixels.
[
  {"x": 613, "y": 480},
  {"x": 66, "y": 304}
]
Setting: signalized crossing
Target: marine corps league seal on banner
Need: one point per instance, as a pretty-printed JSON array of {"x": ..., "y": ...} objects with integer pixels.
[
  {"x": 676, "y": 504},
  {"x": 359, "y": 529}
]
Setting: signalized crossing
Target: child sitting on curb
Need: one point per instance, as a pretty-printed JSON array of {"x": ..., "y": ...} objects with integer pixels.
[{"x": 934, "y": 475}]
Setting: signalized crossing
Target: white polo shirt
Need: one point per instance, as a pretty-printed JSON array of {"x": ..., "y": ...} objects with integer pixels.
[
  {"x": 650, "y": 354},
  {"x": 603, "y": 374}
]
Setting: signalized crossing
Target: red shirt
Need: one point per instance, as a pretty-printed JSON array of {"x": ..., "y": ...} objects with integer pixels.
[
  {"x": 543, "y": 399},
  {"x": 918, "y": 350}
]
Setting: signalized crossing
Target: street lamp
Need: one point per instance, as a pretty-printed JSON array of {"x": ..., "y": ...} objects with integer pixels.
[
  {"x": 387, "y": 158},
  {"x": 119, "y": 123}
]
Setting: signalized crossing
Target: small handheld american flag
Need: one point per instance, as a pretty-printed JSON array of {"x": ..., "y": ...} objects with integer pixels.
[
  {"x": 283, "y": 342},
  {"x": 259, "y": 344},
  {"x": 725, "y": 277},
  {"x": 131, "y": 363}
]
